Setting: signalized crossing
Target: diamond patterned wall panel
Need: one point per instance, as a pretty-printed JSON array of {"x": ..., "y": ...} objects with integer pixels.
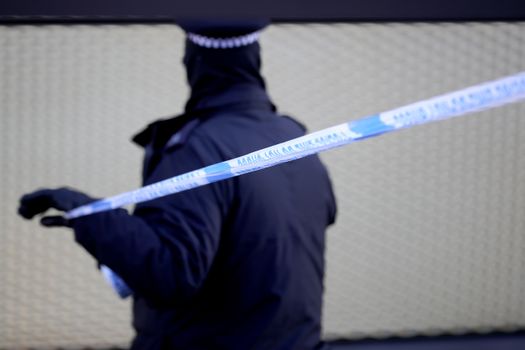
[
  {"x": 71, "y": 99},
  {"x": 430, "y": 236}
]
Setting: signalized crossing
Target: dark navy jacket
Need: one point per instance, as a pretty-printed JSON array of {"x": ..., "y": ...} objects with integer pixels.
[{"x": 237, "y": 264}]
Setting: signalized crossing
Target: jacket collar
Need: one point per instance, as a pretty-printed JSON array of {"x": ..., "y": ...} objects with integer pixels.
[{"x": 238, "y": 97}]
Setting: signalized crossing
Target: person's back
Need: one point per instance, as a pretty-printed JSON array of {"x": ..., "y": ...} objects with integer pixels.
[{"x": 264, "y": 289}]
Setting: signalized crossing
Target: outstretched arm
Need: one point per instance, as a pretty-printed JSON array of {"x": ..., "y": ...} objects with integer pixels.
[{"x": 163, "y": 251}]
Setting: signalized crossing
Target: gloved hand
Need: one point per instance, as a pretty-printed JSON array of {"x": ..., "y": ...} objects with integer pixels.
[
  {"x": 40, "y": 201},
  {"x": 65, "y": 199}
]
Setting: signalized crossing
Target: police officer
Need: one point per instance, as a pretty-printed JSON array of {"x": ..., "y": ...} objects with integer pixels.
[{"x": 237, "y": 264}]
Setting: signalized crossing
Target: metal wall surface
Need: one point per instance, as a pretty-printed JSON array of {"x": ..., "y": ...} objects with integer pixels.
[{"x": 430, "y": 236}]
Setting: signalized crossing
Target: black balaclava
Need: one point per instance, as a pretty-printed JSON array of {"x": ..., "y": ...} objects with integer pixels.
[{"x": 211, "y": 71}]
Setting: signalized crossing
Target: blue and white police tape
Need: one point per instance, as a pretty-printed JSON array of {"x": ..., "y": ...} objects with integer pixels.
[
  {"x": 472, "y": 99},
  {"x": 446, "y": 106}
]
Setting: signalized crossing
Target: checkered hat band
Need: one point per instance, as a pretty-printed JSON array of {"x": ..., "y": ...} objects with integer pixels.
[{"x": 223, "y": 43}]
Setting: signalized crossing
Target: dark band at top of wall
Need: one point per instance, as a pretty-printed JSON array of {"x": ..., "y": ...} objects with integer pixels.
[{"x": 169, "y": 11}]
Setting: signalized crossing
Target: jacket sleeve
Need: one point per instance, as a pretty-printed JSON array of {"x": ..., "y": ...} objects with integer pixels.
[{"x": 163, "y": 251}]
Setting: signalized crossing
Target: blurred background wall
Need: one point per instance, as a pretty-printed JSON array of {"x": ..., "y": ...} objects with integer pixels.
[{"x": 430, "y": 237}]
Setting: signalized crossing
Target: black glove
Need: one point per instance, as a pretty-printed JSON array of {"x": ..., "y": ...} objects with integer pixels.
[{"x": 63, "y": 199}]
